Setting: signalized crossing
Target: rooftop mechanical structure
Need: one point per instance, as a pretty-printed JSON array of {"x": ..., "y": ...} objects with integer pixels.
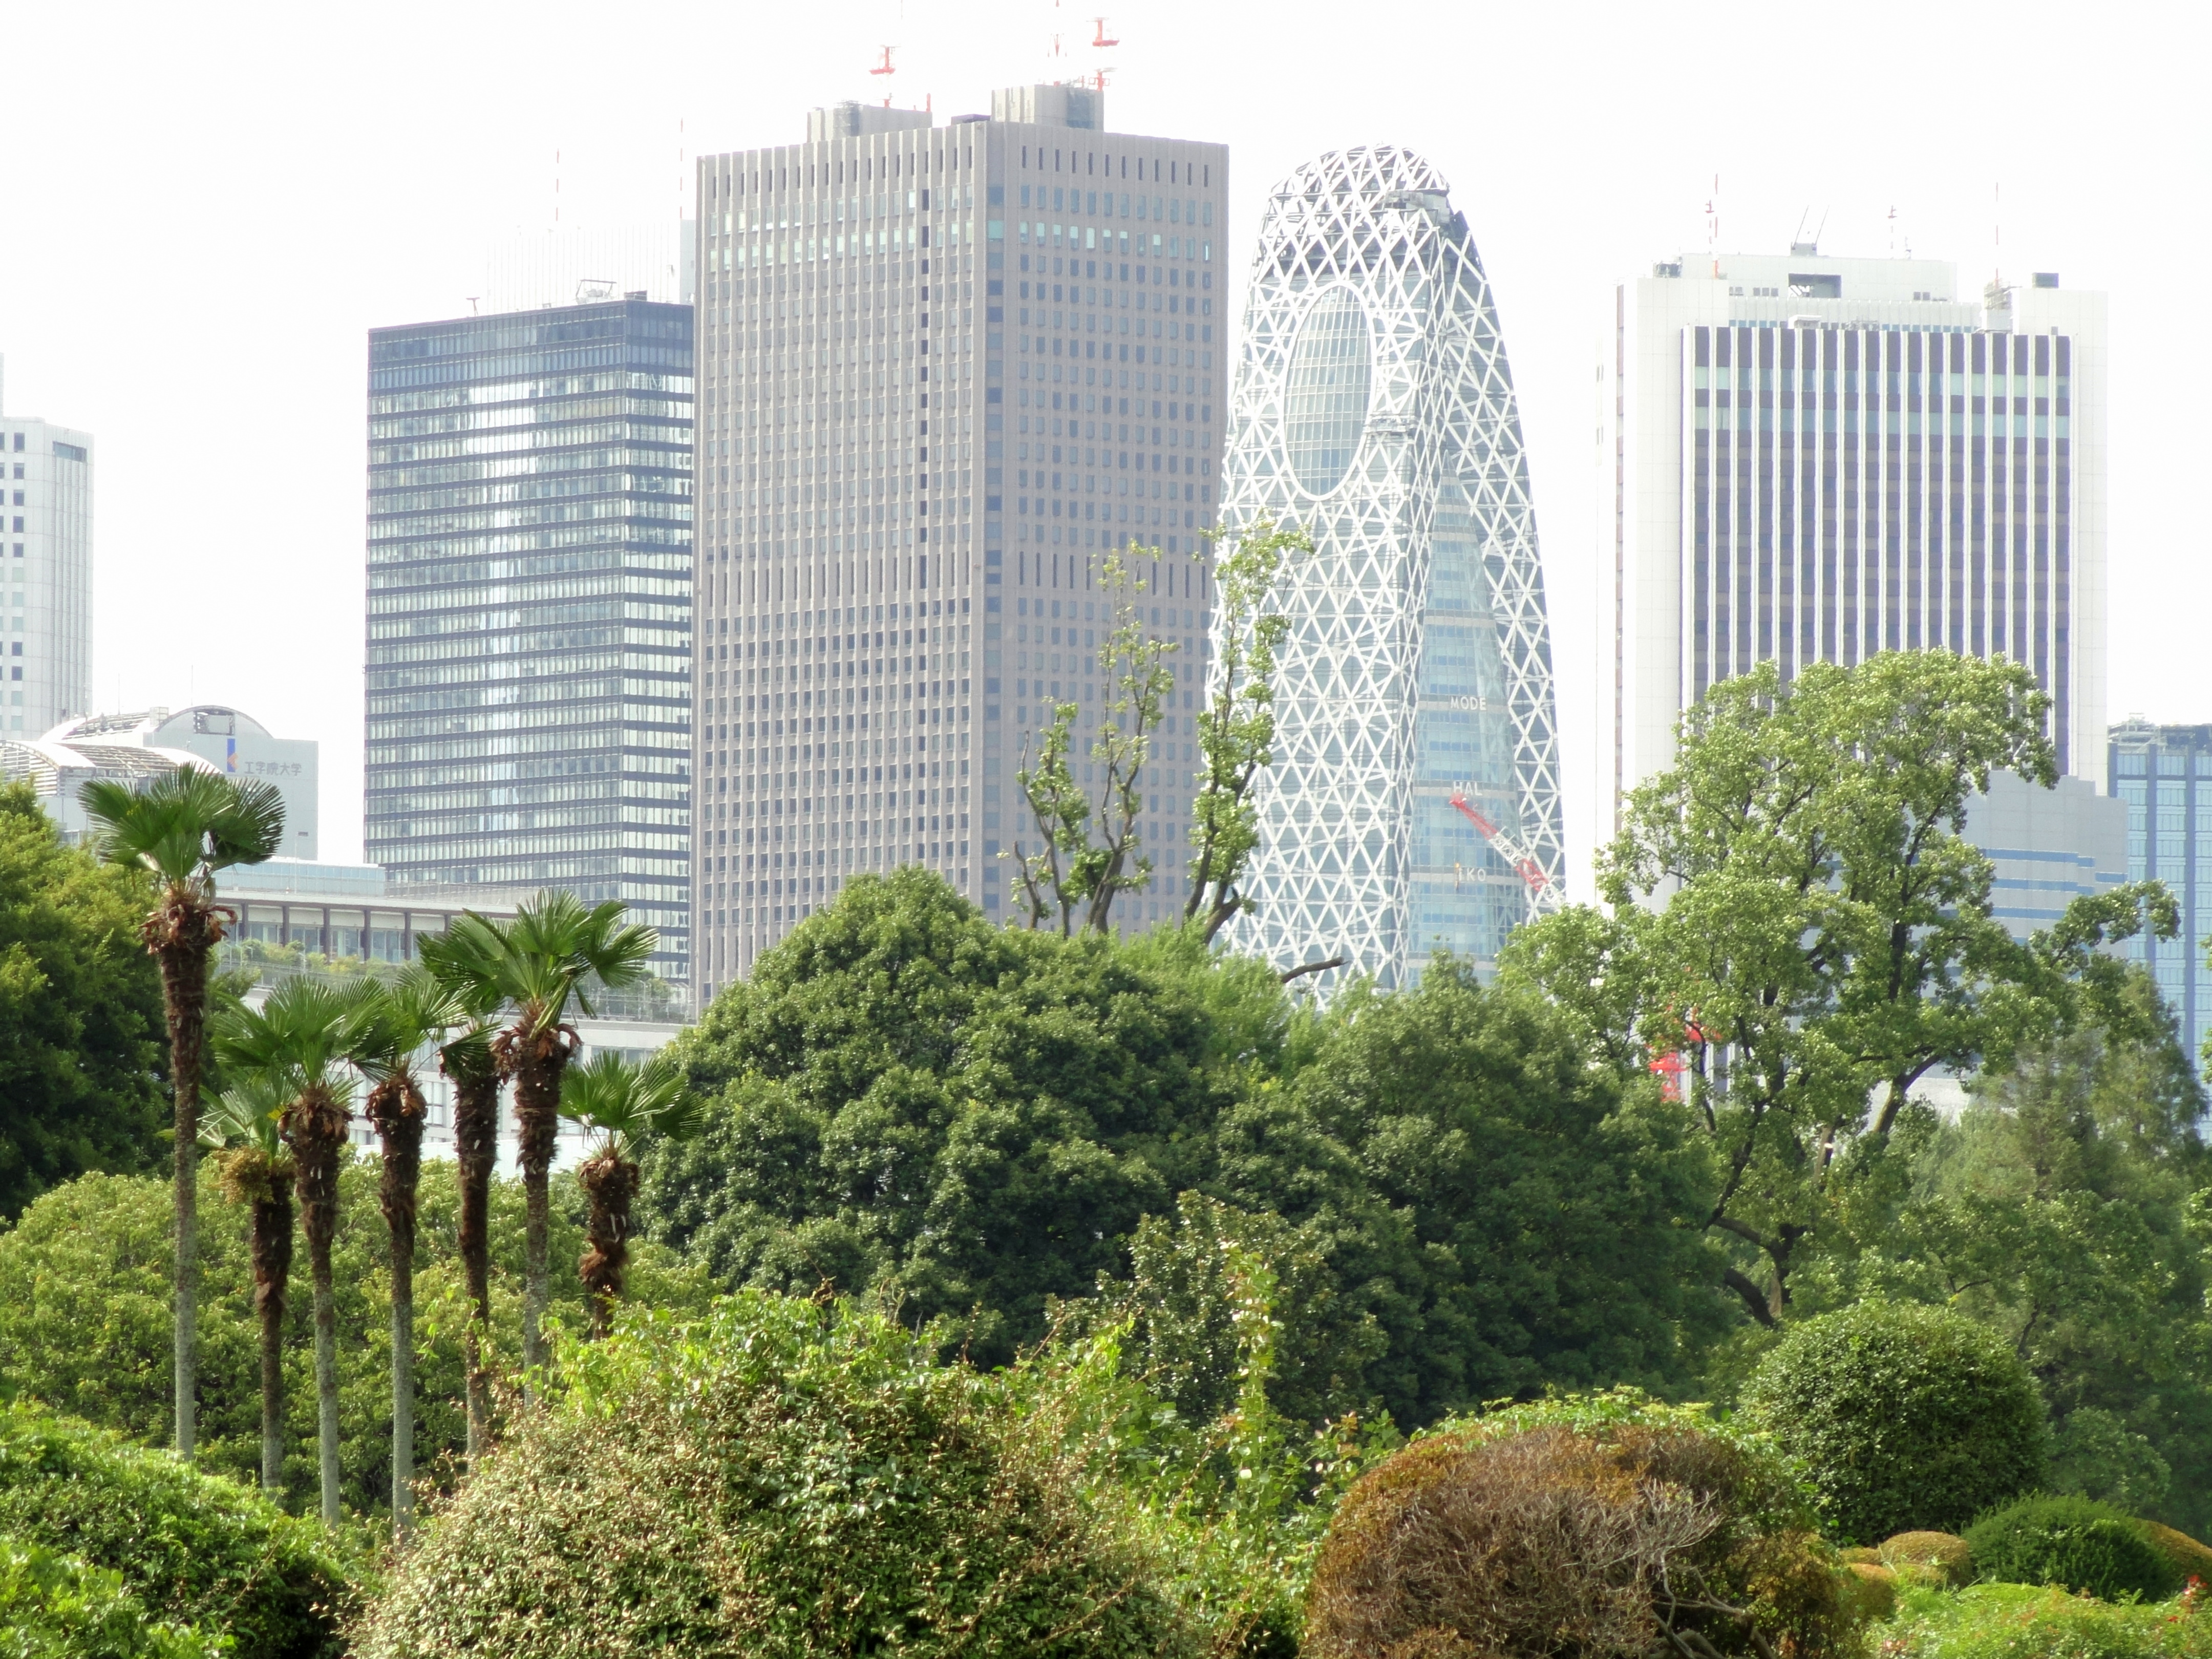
[{"x": 1413, "y": 804}]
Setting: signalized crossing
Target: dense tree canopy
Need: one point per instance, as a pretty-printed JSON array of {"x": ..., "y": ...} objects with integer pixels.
[
  {"x": 80, "y": 1012},
  {"x": 976, "y": 1120}
]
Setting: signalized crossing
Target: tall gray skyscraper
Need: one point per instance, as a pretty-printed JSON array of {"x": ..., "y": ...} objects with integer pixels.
[
  {"x": 944, "y": 371},
  {"x": 529, "y": 606},
  {"x": 1413, "y": 804},
  {"x": 45, "y": 545},
  {"x": 1807, "y": 459}
]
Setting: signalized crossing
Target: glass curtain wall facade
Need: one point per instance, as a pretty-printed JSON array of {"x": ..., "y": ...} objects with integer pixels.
[
  {"x": 530, "y": 607},
  {"x": 1414, "y": 801},
  {"x": 944, "y": 371},
  {"x": 2164, "y": 775}
]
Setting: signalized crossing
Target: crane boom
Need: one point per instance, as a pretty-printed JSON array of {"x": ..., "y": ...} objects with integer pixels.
[{"x": 1523, "y": 862}]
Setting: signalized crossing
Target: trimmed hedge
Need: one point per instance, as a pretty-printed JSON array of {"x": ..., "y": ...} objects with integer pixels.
[
  {"x": 2019, "y": 1621},
  {"x": 787, "y": 1480},
  {"x": 195, "y": 1549},
  {"x": 1550, "y": 1528},
  {"x": 53, "y": 1608},
  {"x": 2077, "y": 1542},
  {"x": 1906, "y": 1417},
  {"x": 1939, "y": 1558}
]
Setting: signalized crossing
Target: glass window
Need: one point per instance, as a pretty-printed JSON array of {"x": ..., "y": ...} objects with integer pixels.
[{"x": 1325, "y": 408}]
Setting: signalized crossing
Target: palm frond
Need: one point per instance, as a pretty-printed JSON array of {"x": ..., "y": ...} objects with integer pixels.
[
  {"x": 246, "y": 1115},
  {"x": 301, "y": 1038},
  {"x": 407, "y": 1013},
  {"x": 186, "y": 825},
  {"x": 539, "y": 960},
  {"x": 625, "y": 1102}
]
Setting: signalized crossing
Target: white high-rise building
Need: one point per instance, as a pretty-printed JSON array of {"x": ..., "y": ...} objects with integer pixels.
[
  {"x": 46, "y": 536},
  {"x": 1811, "y": 459},
  {"x": 1413, "y": 804}
]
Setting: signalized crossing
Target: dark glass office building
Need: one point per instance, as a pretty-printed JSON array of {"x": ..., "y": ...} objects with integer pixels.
[
  {"x": 529, "y": 606},
  {"x": 2164, "y": 773}
]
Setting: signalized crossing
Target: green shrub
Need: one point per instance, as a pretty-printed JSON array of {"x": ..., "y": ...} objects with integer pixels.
[
  {"x": 1546, "y": 1528},
  {"x": 783, "y": 1480},
  {"x": 53, "y": 1608},
  {"x": 2076, "y": 1542},
  {"x": 2190, "y": 1559},
  {"x": 1905, "y": 1417},
  {"x": 1938, "y": 1558},
  {"x": 195, "y": 1548},
  {"x": 2018, "y": 1622}
]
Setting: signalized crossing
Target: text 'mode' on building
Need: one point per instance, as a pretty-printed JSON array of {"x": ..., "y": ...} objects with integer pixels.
[
  {"x": 45, "y": 586},
  {"x": 944, "y": 371},
  {"x": 529, "y": 606},
  {"x": 1805, "y": 459},
  {"x": 1413, "y": 804}
]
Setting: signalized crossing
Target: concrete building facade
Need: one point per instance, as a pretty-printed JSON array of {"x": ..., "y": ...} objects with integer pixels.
[
  {"x": 1808, "y": 459},
  {"x": 46, "y": 588},
  {"x": 944, "y": 372}
]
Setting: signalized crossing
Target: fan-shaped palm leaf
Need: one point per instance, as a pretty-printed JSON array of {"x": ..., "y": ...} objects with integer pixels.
[{"x": 622, "y": 1103}]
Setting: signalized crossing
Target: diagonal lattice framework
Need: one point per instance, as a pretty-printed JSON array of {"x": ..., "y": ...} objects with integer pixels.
[{"x": 1373, "y": 405}]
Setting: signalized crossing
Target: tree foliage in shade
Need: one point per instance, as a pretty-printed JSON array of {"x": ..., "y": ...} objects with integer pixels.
[
  {"x": 1795, "y": 911},
  {"x": 79, "y": 1010}
]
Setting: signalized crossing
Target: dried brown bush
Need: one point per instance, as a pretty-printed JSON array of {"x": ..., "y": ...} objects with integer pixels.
[{"x": 1562, "y": 1542}]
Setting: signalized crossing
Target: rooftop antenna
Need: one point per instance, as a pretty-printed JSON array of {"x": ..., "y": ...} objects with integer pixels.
[
  {"x": 1713, "y": 226},
  {"x": 556, "y": 186},
  {"x": 1892, "y": 230},
  {"x": 472, "y": 304},
  {"x": 886, "y": 68},
  {"x": 1099, "y": 39},
  {"x": 1797, "y": 236}
]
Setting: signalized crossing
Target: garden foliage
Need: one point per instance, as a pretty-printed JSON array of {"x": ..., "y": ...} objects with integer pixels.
[
  {"x": 2074, "y": 1542},
  {"x": 191, "y": 1548},
  {"x": 1905, "y": 1417},
  {"x": 52, "y": 1607}
]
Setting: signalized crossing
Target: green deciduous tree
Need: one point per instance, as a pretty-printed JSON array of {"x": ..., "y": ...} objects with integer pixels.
[
  {"x": 909, "y": 1099},
  {"x": 1087, "y": 853},
  {"x": 182, "y": 829},
  {"x": 1795, "y": 911},
  {"x": 1236, "y": 728},
  {"x": 81, "y": 1006},
  {"x": 540, "y": 964}
]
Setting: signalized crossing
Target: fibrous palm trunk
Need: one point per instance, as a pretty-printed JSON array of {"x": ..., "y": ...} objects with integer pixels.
[
  {"x": 535, "y": 1064},
  {"x": 181, "y": 935},
  {"x": 262, "y": 1181},
  {"x": 397, "y": 1110},
  {"x": 476, "y": 1144},
  {"x": 315, "y": 1128},
  {"x": 610, "y": 1182}
]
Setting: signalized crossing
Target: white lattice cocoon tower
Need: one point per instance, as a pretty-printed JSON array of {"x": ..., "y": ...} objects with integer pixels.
[{"x": 1413, "y": 804}]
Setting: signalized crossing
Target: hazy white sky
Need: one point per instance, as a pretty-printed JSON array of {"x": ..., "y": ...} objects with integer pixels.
[{"x": 203, "y": 209}]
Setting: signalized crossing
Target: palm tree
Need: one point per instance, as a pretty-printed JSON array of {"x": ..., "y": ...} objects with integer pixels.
[
  {"x": 299, "y": 1040},
  {"x": 406, "y": 1016},
  {"x": 467, "y": 1059},
  {"x": 183, "y": 828},
  {"x": 256, "y": 1171},
  {"x": 620, "y": 1103},
  {"x": 536, "y": 964}
]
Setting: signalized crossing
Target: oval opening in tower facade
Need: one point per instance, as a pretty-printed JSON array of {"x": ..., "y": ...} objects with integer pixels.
[{"x": 1325, "y": 405}]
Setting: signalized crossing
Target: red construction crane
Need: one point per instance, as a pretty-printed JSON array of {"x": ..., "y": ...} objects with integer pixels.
[
  {"x": 1519, "y": 857},
  {"x": 1100, "y": 39}
]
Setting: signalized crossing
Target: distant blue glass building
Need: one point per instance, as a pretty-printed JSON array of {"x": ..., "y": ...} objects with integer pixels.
[
  {"x": 2164, "y": 773},
  {"x": 529, "y": 650}
]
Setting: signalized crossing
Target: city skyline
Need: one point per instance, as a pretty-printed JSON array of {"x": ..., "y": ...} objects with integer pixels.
[{"x": 1571, "y": 190}]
